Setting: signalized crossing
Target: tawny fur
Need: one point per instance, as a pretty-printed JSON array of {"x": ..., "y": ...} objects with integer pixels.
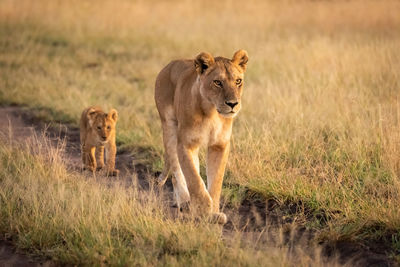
[
  {"x": 97, "y": 134},
  {"x": 197, "y": 100}
]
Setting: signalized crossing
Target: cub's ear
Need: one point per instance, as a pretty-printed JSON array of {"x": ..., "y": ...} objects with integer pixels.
[
  {"x": 240, "y": 58},
  {"x": 113, "y": 115},
  {"x": 203, "y": 61},
  {"x": 91, "y": 116}
]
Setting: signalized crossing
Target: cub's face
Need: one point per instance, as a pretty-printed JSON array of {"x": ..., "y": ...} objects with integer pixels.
[
  {"x": 103, "y": 125},
  {"x": 222, "y": 81}
]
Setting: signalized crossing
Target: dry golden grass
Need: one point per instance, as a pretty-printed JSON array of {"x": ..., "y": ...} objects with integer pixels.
[
  {"x": 321, "y": 109},
  {"x": 79, "y": 220}
]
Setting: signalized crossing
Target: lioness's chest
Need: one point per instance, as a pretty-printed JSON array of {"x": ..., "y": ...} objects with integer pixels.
[
  {"x": 219, "y": 131},
  {"x": 209, "y": 131}
]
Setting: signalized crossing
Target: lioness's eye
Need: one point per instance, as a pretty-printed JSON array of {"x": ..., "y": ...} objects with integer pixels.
[
  {"x": 98, "y": 127},
  {"x": 218, "y": 83},
  {"x": 108, "y": 127},
  {"x": 238, "y": 81}
]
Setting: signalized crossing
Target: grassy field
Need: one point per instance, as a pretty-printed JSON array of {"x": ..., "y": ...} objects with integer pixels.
[
  {"x": 320, "y": 123},
  {"x": 85, "y": 222}
]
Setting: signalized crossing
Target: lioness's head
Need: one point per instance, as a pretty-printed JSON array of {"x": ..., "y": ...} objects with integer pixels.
[
  {"x": 102, "y": 124},
  {"x": 221, "y": 81}
]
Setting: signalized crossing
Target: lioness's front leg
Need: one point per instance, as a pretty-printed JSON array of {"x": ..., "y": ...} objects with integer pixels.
[
  {"x": 197, "y": 189},
  {"x": 217, "y": 157}
]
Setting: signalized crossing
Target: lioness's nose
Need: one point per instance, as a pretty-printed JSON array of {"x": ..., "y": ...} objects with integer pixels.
[{"x": 232, "y": 104}]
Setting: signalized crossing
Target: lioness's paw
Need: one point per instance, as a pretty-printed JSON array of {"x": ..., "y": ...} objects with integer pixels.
[
  {"x": 204, "y": 204},
  {"x": 218, "y": 217},
  {"x": 184, "y": 207}
]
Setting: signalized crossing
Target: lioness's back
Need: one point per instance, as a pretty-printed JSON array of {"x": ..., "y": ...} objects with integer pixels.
[{"x": 168, "y": 79}]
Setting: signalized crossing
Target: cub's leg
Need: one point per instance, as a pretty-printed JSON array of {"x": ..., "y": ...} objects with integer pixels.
[
  {"x": 181, "y": 192},
  {"x": 111, "y": 151},
  {"x": 100, "y": 157},
  {"x": 217, "y": 157},
  {"x": 83, "y": 155},
  {"x": 197, "y": 189},
  {"x": 88, "y": 158}
]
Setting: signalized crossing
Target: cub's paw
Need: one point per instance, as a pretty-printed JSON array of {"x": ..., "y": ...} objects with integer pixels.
[
  {"x": 99, "y": 168},
  {"x": 89, "y": 168},
  {"x": 114, "y": 172}
]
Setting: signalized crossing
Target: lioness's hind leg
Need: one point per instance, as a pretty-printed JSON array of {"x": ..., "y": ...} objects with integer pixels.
[{"x": 169, "y": 126}]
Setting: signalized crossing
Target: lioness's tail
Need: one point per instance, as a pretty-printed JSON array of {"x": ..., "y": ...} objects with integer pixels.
[{"x": 163, "y": 177}]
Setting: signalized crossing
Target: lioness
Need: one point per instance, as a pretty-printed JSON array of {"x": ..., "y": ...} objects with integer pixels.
[
  {"x": 197, "y": 101},
  {"x": 97, "y": 130}
]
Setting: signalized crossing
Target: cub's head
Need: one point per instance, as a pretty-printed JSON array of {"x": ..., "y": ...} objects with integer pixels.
[
  {"x": 102, "y": 124},
  {"x": 221, "y": 81}
]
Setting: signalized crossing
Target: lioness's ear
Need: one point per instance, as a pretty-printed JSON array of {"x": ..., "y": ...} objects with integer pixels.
[
  {"x": 91, "y": 115},
  {"x": 113, "y": 114},
  {"x": 240, "y": 58},
  {"x": 203, "y": 61}
]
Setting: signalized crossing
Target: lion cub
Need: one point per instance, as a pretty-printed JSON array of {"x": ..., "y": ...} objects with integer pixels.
[{"x": 97, "y": 131}]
